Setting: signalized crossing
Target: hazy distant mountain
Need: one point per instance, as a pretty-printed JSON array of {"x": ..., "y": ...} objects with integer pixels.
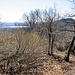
[
  {"x": 11, "y": 26},
  {"x": 12, "y": 23}
]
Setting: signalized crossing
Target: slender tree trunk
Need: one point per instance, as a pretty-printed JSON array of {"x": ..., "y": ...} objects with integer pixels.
[
  {"x": 52, "y": 44},
  {"x": 49, "y": 50},
  {"x": 69, "y": 51}
]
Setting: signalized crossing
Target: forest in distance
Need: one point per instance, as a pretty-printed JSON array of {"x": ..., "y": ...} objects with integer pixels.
[{"x": 44, "y": 44}]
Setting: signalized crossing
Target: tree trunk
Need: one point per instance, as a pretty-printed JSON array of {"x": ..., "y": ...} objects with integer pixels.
[
  {"x": 49, "y": 50},
  {"x": 69, "y": 51},
  {"x": 51, "y": 43}
]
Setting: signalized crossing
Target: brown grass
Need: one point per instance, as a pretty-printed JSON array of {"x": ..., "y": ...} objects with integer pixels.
[{"x": 32, "y": 58}]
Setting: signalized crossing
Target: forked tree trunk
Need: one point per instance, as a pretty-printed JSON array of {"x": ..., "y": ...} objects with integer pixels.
[{"x": 69, "y": 51}]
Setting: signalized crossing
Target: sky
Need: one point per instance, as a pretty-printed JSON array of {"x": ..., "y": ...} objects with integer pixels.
[{"x": 13, "y": 10}]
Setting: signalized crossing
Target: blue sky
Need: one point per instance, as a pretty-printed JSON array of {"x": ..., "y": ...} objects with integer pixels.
[{"x": 12, "y": 10}]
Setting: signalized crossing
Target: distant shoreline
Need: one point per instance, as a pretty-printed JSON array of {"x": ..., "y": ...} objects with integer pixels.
[{"x": 13, "y": 25}]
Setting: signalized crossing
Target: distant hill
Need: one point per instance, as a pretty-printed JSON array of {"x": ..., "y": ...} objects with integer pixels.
[
  {"x": 68, "y": 20},
  {"x": 66, "y": 23}
]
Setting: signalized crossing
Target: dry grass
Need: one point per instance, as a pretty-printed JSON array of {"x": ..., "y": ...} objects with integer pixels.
[{"x": 32, "y": 58}]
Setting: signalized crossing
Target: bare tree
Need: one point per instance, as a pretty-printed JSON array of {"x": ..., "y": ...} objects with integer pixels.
[
  {"x": 73, "y": 1},
  {"x": 38, "y": 14},
  {"x": 47, "y": 21},
  {"x": 69, "y": 25},
  {"x": 73, "y": 25},
  {"x": 32, "y": 18},
  {"x": 51, "y": 17}
]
